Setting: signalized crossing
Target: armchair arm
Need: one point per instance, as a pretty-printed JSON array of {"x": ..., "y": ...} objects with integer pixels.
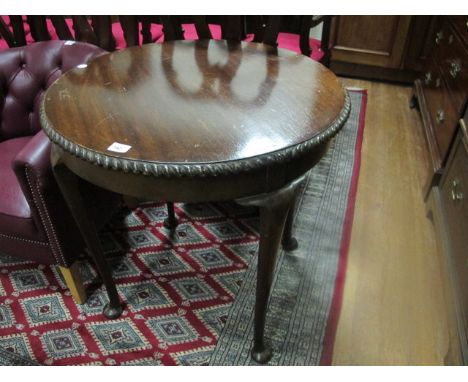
[
  {"x": 36, "y": 156},
  {"x": 49, "y": 211}
]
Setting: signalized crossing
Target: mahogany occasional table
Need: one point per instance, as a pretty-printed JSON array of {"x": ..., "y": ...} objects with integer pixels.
[{"x": 193, "y": 121}]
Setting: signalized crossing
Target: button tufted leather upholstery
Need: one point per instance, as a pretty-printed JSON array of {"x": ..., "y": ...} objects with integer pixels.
[
  {"x": 25, "y": 73},
  {"x": 35, "y": 223}
]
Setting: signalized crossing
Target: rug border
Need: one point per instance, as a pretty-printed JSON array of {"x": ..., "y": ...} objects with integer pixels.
[{"x": 335, "y": 308}]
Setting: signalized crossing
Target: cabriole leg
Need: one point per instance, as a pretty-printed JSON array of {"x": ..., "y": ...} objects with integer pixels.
[
  {"x": 171, "y": 221},
  {"x": 274, "y": 208}
]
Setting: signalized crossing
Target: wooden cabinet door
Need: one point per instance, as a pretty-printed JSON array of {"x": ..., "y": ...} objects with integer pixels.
[
  {"x": 370, "y": 40},
  {"x": 421, "y": 41}
]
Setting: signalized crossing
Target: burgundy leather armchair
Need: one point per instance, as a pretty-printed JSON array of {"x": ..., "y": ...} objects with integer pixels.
[{"x": 35, "y": 222}]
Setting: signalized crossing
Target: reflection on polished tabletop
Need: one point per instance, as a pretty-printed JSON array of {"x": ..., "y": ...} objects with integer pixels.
[{"x": 195, "y": 102}]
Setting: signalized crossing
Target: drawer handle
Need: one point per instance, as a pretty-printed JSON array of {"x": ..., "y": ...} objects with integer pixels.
[
  {"x": 428, "y": 78},
  {"x": 456, "y": 194},
  {"x": 439, "y": 37},
  {"x": 437, "y": 82},
  {"x": 464, "y": 131},
  {"x": 440, "y": 116},
  {"x": 455, "y": 68}
]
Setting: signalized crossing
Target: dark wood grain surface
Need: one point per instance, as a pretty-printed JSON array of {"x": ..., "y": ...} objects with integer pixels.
[{"x": 194, "y": 101}]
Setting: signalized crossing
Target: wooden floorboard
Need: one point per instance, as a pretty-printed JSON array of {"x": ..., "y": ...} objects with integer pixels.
[{"x": 393, "y": 311}]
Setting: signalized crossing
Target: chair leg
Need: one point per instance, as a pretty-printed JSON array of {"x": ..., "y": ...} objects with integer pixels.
[
  {"x": 170, "y": 222},
  {"x": 74, "y": 283}
]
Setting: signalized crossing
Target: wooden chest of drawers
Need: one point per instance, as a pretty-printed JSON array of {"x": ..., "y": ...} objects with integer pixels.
[
  {"x": 448, "y": 203},
  {"x": 442, "y": 92},
  {"x": 442, "y": 98},
  {"x": 454, "y": 201}
]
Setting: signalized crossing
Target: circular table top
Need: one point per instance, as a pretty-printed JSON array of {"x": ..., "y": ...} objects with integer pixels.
[{"x": 185, "y": 106}]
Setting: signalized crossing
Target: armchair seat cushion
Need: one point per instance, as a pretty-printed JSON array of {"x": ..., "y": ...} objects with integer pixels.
[{"x": 15, "y": 213}]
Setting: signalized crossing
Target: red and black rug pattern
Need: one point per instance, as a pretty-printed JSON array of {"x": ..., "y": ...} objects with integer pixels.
[{"x": 177, "y": 289}]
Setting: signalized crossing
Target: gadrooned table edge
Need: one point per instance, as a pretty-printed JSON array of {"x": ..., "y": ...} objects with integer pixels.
[{"x": 171, "y": 170}]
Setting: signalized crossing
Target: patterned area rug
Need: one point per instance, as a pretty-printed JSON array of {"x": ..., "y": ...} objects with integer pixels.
[{"x": 189, "y": 297}]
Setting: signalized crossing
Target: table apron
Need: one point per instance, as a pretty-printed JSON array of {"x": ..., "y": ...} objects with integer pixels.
[{"x": 191, "y": 189}]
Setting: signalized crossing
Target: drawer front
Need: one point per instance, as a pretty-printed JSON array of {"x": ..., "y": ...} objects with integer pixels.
[
  {"x": 452, "y": 56},
  {"x": 442, "y": 113},
  {"x": 455, "y": 201}
]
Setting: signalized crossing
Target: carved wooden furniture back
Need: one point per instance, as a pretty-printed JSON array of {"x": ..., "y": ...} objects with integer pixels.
[
  {"x": 98, "y": 30},
  {"x": 265, "y": 29}
]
